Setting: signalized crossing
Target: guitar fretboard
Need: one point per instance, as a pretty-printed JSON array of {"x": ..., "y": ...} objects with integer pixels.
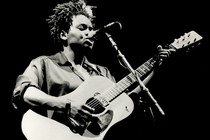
[{"x": 127, "y": 81}]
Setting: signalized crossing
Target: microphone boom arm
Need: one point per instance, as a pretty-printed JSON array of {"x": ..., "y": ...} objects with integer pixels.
[{"x": 106, "y": 28}]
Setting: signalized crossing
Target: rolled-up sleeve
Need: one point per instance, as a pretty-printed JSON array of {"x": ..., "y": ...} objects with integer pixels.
[{"x": 32, "y": 76}]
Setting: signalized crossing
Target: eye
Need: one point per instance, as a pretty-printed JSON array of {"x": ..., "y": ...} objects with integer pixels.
[{"x": 83, "y": 27}]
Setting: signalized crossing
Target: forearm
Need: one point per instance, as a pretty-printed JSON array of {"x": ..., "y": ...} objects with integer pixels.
[{"x": 38, "y": 98}]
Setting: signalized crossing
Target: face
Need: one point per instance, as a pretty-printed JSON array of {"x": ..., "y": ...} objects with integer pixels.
[{"x": 81, "y": 32}]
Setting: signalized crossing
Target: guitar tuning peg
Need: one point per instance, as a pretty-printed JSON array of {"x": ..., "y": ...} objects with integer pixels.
[
  {"x": 181, "y": 38},
  {"x": 176, "y": 40},
  {"x": 183, "y": 46},
  {"x": 186, "y": 34}
]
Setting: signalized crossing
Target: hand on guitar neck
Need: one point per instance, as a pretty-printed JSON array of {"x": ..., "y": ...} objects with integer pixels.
[{"x": 164, "y": 53}]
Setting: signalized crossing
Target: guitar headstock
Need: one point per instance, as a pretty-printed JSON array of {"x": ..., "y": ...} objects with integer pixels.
[{"x": 187, "y": 40}]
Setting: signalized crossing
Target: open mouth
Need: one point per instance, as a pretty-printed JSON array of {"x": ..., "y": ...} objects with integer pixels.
[{"x": 88, "y": 42}]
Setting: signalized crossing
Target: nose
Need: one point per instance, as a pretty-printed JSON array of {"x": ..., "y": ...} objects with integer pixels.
[
  {"x": 92, "y": 33},
  {"x": 89, "y": 32}
]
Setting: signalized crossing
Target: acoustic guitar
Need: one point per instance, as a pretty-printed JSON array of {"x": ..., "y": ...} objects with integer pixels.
[{"x": 109, "y": 100}]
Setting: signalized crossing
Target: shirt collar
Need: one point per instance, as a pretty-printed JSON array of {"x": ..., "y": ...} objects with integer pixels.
[{"x": 61, "y": 59}]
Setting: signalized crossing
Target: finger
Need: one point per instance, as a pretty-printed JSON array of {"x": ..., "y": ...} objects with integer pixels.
[
  {"x": 164, "y": 54},
  {"x": 168, "y": 52},
  {"x": 85, "y": 114},
  {"x": 68, "y": 109},
  {"x": 172, "y": 50},
  {"x": 159, "y": 47}
]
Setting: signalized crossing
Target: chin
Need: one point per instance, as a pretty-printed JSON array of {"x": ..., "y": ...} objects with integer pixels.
[{"x": 88, "y": 46}]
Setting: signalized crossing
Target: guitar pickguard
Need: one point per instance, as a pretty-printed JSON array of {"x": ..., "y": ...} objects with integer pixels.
[{"x": 99, "y": 124}]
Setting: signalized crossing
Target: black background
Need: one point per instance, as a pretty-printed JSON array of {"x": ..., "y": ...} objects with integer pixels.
[{"x": 180, "y": 85}]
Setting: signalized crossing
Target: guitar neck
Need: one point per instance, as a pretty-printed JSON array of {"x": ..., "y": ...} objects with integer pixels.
[{"x": 127, "y": 81}]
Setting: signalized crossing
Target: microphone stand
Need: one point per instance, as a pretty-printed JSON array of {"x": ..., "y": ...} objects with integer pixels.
[{"x": 141, "y": 84}]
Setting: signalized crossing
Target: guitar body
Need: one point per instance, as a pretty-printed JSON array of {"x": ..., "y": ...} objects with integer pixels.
[{"x": 38, "y": 127}]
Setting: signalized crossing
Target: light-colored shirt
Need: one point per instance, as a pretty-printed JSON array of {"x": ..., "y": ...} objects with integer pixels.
[{"x": 55, "y": 76}]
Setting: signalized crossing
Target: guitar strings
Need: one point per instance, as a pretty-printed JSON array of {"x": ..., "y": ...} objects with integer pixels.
[{"x": 125, "y": 82}]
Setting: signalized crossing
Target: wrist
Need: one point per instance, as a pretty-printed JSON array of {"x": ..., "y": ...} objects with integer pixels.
[{"x": 61, "y": 102}]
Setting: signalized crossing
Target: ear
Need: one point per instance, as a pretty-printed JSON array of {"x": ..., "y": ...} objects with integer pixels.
[{"x": 63, "y": 35}]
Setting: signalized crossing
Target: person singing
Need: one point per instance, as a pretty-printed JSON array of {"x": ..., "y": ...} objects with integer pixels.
[{"x": 50, "y": 84}]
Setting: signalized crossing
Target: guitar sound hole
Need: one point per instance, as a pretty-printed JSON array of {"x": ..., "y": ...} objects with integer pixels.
[{"x": 95, "y": 106}]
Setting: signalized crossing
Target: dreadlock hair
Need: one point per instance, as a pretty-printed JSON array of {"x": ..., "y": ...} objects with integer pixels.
[{"x": 61, "y": 19}]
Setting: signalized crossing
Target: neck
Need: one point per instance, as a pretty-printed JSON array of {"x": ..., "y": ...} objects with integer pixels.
[{"x": 73, "y": 57}]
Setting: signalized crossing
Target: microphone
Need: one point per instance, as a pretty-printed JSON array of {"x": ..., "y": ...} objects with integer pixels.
[{"x": 106, "y": 28}]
